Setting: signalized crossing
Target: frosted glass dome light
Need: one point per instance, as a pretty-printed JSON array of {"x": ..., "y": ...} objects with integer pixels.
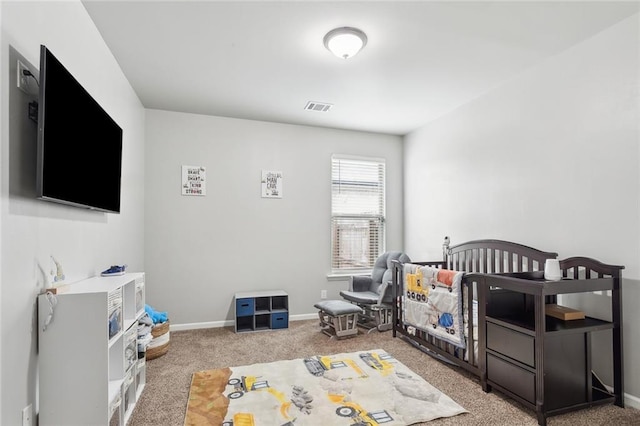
[{"x": 345, "y": 42}]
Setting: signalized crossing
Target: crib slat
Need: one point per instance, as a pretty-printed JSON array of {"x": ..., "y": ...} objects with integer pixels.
[{"x": 476, "y": 261}]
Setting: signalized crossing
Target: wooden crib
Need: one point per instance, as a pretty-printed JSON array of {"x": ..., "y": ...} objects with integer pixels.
[
  {"x": 479, "y": 256},
  {"x": 511, "y": 343}
]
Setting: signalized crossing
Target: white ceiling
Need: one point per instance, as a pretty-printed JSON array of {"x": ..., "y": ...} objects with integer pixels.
[{"x": 264, "y": 60}]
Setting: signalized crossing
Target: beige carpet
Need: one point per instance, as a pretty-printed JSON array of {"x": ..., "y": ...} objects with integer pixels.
[{"x": 164, "y": 400}]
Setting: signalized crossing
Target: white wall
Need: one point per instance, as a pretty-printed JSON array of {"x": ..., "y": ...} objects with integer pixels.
[
  {"x": 549, "y": 159},
  {"x": 85, "y": 242},
  {"x": 3, "y": 136},
  {"x": 199, "y": 251}
]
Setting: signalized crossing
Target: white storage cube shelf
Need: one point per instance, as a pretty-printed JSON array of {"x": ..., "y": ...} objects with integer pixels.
[{"x": 88, "y": 358}]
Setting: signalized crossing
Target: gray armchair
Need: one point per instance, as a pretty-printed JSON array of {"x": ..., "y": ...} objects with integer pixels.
[{"x": 373, "y": 293}]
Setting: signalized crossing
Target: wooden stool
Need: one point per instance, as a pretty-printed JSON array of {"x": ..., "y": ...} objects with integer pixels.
[{"x": 338, "y": 318}]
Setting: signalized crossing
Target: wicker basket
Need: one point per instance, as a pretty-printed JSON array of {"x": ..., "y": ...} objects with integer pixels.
[{"x": 160, "y": 330}]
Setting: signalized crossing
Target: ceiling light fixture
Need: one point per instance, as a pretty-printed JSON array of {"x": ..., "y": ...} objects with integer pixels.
[{"x": 345, "y": 42}]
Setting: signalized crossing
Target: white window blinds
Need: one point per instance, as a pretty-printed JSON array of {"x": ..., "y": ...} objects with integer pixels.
[{"x": 357, "y": 212}]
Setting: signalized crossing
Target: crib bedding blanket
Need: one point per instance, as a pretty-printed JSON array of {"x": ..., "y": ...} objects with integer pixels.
[{"x": 433, "y": 302}]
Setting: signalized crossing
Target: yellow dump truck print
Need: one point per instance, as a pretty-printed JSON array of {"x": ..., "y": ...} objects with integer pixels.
[
  {"x": 358, "y": 415},
  {"x": 240, "y": 419},
  {"x": 317, "y": 365},
  {"x": 416, "y": 288},
  {"x": 246, "y": 384},
  {"x": 378, "y": 362}
]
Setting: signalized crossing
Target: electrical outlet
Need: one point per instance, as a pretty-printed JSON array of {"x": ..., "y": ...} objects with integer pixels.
[
  {"x": 26, "y": 415},
  {"x": 23, "y": 80},
  {"x": 323, "y": 294}
]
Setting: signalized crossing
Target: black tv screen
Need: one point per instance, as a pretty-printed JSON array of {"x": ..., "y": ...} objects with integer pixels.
[{"x": 79, "y": 145}]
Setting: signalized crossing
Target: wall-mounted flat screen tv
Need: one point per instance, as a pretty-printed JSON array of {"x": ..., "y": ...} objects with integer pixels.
[{"x": 79, "y": 149}]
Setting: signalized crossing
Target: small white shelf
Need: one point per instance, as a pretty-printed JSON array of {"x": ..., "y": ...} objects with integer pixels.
[{"x": 82, "y": 371}]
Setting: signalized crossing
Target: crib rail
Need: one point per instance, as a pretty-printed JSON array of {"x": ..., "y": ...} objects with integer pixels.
[
  {"x": 588, "y": 268},
  {"x": 496, "y": 256}
]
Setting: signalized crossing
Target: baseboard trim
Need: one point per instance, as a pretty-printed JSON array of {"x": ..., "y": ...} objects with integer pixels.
[
  {"x": 631, "y": 401},
  {"x": 303, "y": 317},
  {"x": 198, "y": 325},
  {"x": 229, "y": 323}
]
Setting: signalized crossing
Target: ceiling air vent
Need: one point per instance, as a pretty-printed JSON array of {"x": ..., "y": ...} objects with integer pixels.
[{"x": 317, "y": 106}]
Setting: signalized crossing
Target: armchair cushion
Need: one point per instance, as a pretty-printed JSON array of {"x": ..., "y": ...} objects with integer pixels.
[
  {"x": 374, "y": 289},
  {"x": 364, "y": 297},
  {"x": 359, "y": 283}
]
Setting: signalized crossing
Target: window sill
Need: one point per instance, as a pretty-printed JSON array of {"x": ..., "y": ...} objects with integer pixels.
[{"x": 341, "y": 276}]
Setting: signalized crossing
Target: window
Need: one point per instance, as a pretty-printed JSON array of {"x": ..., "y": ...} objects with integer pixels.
[{"x": 357, "y": 212}]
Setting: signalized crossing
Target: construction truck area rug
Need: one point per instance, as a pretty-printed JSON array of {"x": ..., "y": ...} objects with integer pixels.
[{"x": 360, "y": 388}]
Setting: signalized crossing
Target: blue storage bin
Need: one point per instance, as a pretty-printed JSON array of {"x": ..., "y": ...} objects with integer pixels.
[
  {"x": 244, "y": 307},
  {"x": 280, "y": 320}
]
